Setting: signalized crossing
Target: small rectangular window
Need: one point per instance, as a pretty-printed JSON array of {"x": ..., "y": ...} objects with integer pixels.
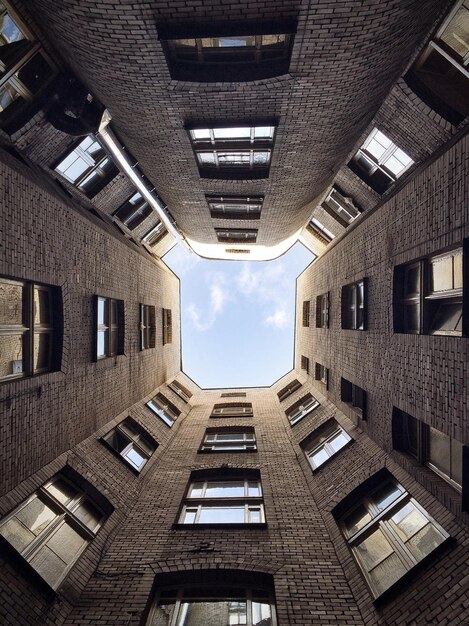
[
  {"x": 305, "y": 406},
  {"x": 354, "y": 396},
  {"x": 340, "y": 208},
  {"x": 233, "y": 409},
  {"x": 305, "y": 363},
  {"x": 284, "y": 393},
  {"x": 29, "y": 328},
  {"x": 306, "y": 309},
  {"x": 229, "y": 440},
  {"x": 165, "y": 409},
  {"x": 321, "y": 374},
  {"x": 133, "y": 212},
  {"x": 167, "y": 326},
  {"x": 131, "y": 443},
  {"x": 322, "y": 311},
  {"x": 324, "y": 443},
  {"x": 180, "y": 390},
  {"x": 154, "y": 235},
  {"x": 233, "y": 394},
  {"x": 109, "y": 327},
  {"x": 235, "y": 207},
  {"x": 236, "y": 235},
  {"x": 354, "y": 305},
  {"x": 321, "y": 233},
  {"x": 147, "y": 326}
]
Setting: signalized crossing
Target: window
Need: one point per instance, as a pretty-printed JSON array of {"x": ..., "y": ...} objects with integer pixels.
[
  {"x": 388, "y": 533},
  {"x": 52, "y": 528},
  {"x": 109, "y": 327},
  {"x": 321, "y": 374},
  {"x": 235, "y": 207},
  {"x": 229, "y": 440},
  {"x": 306, "y": 308},
  {"x": 288, "y": 390},
  {"x": 340, "y": 208},
  {"x": 133, "y": 212},
  {"x": 212, "y": 597},
  {"x": 236, "y": 235},
  {"x": 301, "y": 409},
  {"x": 29, "y": 329},
  {"x": 443, "y": 454},
  {"x": 354, "y": 306},
  {"x": 234, "y": 52},
  {"x": 379, "y": 162},
  {"x": 87, "y": 167},
  {"x": 131, "y": 443},
  {"x": 233, "y": 409},
  {"x": 147, "y": 326},
  {"x": 233, "y": 394},
  {"x": 320, "y": 231},
  {"x": 165, "y": 409},
  {"x": 305, "y": 363},
  {"x": 440, "y": 76},
  {"x": 324, "y": 443},
  {"x": 26, "y": 71},
  {"x": 233, "y": 152},
  {"x": 180, "y": 390},
  {"x": 220, "y": 500},
  {"x": 322, "y": 311},
  {"x": 167, "y": 326},
  {"x": 354, "y": 396},
  {"x": 154, "y": 235},
  {"x": 428, "y": 295}
]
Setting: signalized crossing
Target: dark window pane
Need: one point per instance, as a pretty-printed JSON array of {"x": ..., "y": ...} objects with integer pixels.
[{"x": 35, "y": 73}]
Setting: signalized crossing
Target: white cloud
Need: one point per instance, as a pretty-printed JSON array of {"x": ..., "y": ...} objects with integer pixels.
[
  {"x": 278, "y": 319},
  {"x": 219, "y": 295}
]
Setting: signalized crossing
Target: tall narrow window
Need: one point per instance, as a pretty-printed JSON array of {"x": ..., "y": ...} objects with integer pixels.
[
  {"x": 29, "y": 328},
  {"x": 380, "y": 162},
  {"x": 87, "y": 167},
  {"x": 301, "y": 409},
  {"x": 389, "y": 533},
  {"x": 305, "y": 363},
  {"x": 109, "y": 327},
  {"x": 133, "y": 212},
  {"x": 321, "y": 374},
  {"x": 322, "y": 311},
  {"x": 167, "y": 326},
  {"x": 306, "y": 308},
  {"x": 130, "y": 441},
  {"x": 354, "y": 305},
  {"x": 52, "y": 528},
  {"x": 166, "y": 410},
  {"x": 354, "y": 396},
  {"x": 147, "y": 326},
  {"x": 224, "y": 500},
  {"x": 324, "y": 443},
  {"x": 428, "y": 295}
]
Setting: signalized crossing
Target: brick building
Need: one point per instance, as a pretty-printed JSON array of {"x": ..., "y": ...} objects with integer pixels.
[{"x": 340, "y": 494}]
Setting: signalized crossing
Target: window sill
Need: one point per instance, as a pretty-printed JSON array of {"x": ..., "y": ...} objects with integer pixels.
[{"x": 178, "y": 526}]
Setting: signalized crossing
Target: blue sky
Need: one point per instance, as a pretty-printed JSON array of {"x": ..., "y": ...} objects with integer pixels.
[{"x": 237, "y": 317}]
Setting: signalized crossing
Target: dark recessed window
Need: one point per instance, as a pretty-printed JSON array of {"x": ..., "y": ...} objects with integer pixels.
[
  {"x": 228, "y": 52},
  {"x": 229, "y": 440},
  {"x": 428, "y": 296},
  {"x": 167, "y": 326},
  {"x": 109, "y": 327},
  {"x": 321, "y": 374},
  {"x": 166, "y": 410},
  {"x": 340, "y": 208},
  {"x": 235, "y": 207},
  {"x": 30, "y": 329},
  {"x": 305, "y": 363},
  {"x": 147, "y": 326},
  {"x": 232, "y": 409},
  {"x": 288, "y": 390},
  {"x": 320, "y": 232},
  {"x": 87, "y": 167},
  {"x": 133, "y": 212},
  {"x": 224, "y": 500},
  {"x": 306, "y": 310},
  {"x": 324, "y": 443},
  {"x": 443, "y": 454},
  {"x": 233, "y": 394},
  {"x": 354, "y": 396},
  {"x": 388, "y": 533},
  {"x": 53, "y": 527},
  {"x": 379, "y": 162},
  {"x": 180, "y": 390},
  {"x": 322, "y": 311},
  {"x": 440, "y": 76},
  {"x": 132, "y": 443},
  {"x": 154, "y": 235},
  {"x": 354, "y": 306},
  {"x": 26, "y": 71},
  {"x": 301, "y": 409},
  {"x": 233, "y": 152},
  {"x": 236, "y": 235}
]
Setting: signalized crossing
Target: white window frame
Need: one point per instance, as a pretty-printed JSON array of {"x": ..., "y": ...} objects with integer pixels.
[
  {"x": 240, "y": 441},
  {"x": 143, "y": 445},
  {"x": 330, "y": 431},
  {"x": 380, "y": 162},
  {"x": 309, "y": 404},
  {"x": 164, "y": 411}
]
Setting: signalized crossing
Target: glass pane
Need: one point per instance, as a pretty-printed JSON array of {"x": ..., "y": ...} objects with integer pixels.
[
  {"x": 17, "y": 534},
  {"x": 134, "y": 457},
  {"x": 206, "y": 157},
  {"x": 101, "y": 345},
  {"x": 11, "y": 351},
  {"x": 88, "y": 514},
  {"x": 457, "y": 269},
  {"x": 386, "y": 495},
  {"x": 8, "y": 94},
  {"x": 318, "y": 457},
  {"x": 35, "y": 73},
  {"x": 447, "y": 317},
  {"x": 261, "y": 614},
  {"x": 49, "y": 565},
  {"x": 230, "y": 437},
  {"x": 386, "y": 573},
  {"x": 425, "y": 541},
  {"x": 235, "y": 158},
  {"x": 356, "y": 520},
  {"x": 339, "y": 441},
  {"x": 264, "y": 132},
  {"x": 114, "y": 340},
  {"x": 42, "y": 306},
  {"x": 254, "y": 489},
  {"x": 101, "y": 311},
  {"x": 42, "y": 351},
  {"x": 226, "y": 515},
  {"x": 232, "y": 133},
  {"x": 11, "y": 304},
  {"x": 214, "y": 613},
  {"x": 66, "y": 543},
  {"x": 456, "y": 461},
  {"x": 373, "y": 550},
  {"x": 196, "y": 490},
  {"x": 200, "y": 133},
  {"x": 408, "y": 521},
  {"x": 439, "y": 453},
  {"x": 456, "y": 34},
  {"x": 73, "y": 167},
  {"x": 189, "y": 517},
  {"x": 233, "y": 489},
  {"x": 9, "y": 31},
  {"x": 441, "y": 273},
  {"x": 412, "y": 280},
  {"x": 161, "y": 615},
  {"x": 254, "y": 516},
  {"x": 36, "y": 516},
  {"x": 261, "y": 158},
  {"x": 62, "y": 491}
]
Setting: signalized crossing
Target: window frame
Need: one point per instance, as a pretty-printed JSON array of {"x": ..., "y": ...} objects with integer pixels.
[
  {"x": 228, "y": 213},
  {"x": 289, "y": 389},
  {"x": 321, "y": 374},
  {"x": 164, "y": 409},
  {"x": 130, "y": 214},
  {"x": 323, "y": 234},
  {"x": 320, "y": 440},
  {"x": 167, "y": 325},
  {"x": 322, "y": 310},
  {"x": 147, "y": 326},
  {"x": 248, "y": 442},
  {"x": 301, "y": 409},
  {"x": 232, "y": 409},
  {"x": 181, "y": 391},
  {"x": 304, "y": 363},
  {"x": 113, "y": 324},
  {"x": 355, "y": 397},
  {"x": 341, "y": 208},
  {"x": 351, "y": 306},
  {"x": 139, "y": 440},
  {"x": 306, "y": 313},
  {"x": 237, "y": 235},
  {"x": 30, "y": 328}
]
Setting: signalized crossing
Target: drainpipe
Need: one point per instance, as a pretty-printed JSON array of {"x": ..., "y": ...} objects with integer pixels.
[{"x": 110, "y": 142}]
